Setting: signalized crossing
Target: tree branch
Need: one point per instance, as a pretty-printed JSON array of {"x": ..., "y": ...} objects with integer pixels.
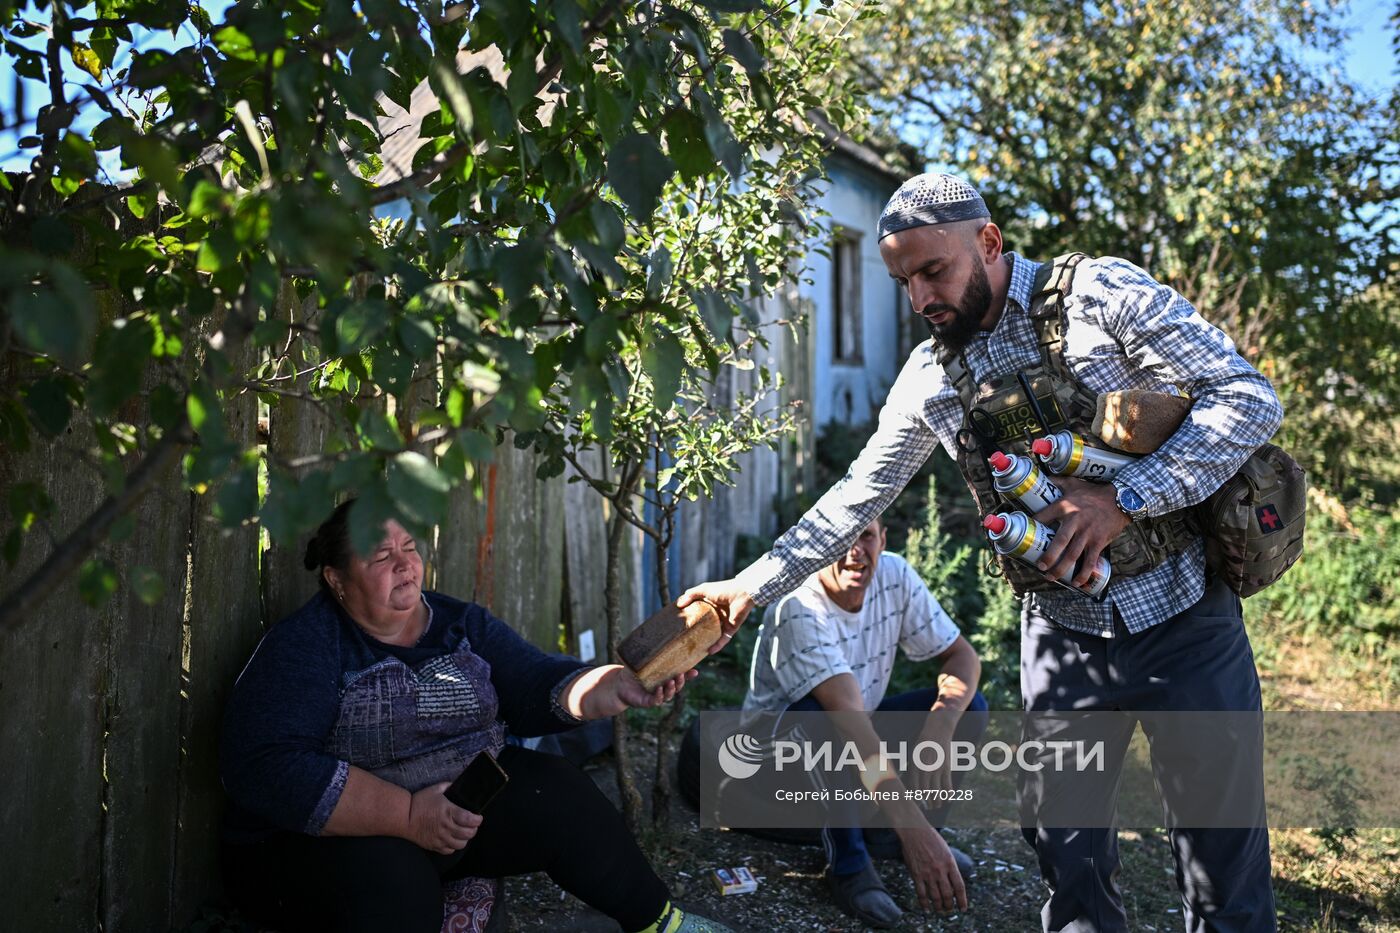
[
  {"x": 617, "y": 496},
  {"x": 74, "y": 549},
  {"x": 58, "y": 102}
]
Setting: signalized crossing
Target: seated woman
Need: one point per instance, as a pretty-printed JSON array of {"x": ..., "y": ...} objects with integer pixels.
[{"x": 354, "y": 715}]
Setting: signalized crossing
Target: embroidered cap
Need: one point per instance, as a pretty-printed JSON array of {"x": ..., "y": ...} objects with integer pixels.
[{"x": 931, "y": 198}]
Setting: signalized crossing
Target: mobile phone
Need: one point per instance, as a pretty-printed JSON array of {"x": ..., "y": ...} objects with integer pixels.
[{"x": 479, "y": 782}]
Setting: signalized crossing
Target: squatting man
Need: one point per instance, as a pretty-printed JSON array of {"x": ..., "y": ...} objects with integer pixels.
[{"x": 830, "y": 646}]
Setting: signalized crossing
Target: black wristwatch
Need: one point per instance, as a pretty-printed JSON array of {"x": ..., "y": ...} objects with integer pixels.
[{"x": 1130, "y": 503}]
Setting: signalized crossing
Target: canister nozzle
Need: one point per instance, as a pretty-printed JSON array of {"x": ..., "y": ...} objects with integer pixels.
[
  {"x": 1042, "y": 447},
  {"x": 996, "y": 524},
  {"x": 1000, "y": 462}
]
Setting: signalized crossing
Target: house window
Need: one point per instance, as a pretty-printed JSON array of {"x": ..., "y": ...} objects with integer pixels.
[{"x": 845, "y": 296}]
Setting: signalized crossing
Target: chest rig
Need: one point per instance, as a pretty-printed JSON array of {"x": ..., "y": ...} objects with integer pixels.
[{"x": 1007, "y": 411}]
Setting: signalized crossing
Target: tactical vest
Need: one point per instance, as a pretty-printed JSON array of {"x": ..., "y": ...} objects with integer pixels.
[{"x": 1008, "y": 411}]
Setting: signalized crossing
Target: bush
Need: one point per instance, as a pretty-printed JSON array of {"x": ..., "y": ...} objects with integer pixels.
[{"x": 1344, "y": 588}]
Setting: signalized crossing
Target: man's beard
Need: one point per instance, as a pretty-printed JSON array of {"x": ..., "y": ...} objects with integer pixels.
[{"x": 976, "y": 300}]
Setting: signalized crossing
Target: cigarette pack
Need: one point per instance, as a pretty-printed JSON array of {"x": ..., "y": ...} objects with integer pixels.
[{"x": 734, "y": 880}]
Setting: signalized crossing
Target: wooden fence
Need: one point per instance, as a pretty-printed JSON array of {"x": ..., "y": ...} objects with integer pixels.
[{"x": 109, "y": 719}]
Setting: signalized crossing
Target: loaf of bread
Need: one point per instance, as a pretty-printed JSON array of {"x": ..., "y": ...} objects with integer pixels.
[
  {"x": 671, "y": 642},
  {"x": 1138, "y": 421}
]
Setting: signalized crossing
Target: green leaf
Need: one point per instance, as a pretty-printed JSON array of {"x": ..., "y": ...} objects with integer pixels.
[
  {"x": 359, "y": 324},
  {"x": 219, "y": 251},
  {"x": 519, "y": 267},
  {"x": 159, "y": 162},
  {"x": 419, "y": 489},
  {"x": 663, "y": 359},
  {"x": 146, "y": 584},
  {"x": 52, "y": 324},
  {"x": 738, "y": 45},
  {"x": 237, "y": 500},
  {"x": 140, "y": 205},
  {"x": 122, "y": 352},
  {"x": 418, "y": 337},
  {"x": 166, "y": 408},
  {"x": 659, "y": 270},
  {"x": 600, "y": 337},
  {"x": 235, "y": 44},
  {"x": 715, "y": 310},
  {"x": 730, "y": 6},
  {"x": 447, "y": 83},
  {"x": 379, "y": 430},
  {"x": 293, "y": 507},
  {"x": 14, "y": 427},
  {"x": 372, "y": 165},
  {"x": 86, "y": 59},
  {"x": 373, "y": 507},
  {"x": 29, "y": 503},
  {"x": 566, "y": 22},
  {"x": 104, "y": 43},
  {"x": 108, "y": 133},
  {"x": 456, "y": 405},
  {"x": 97, "y": 581},
  {"x": 638, "y": 171},
  {"x": 49, "y": 403},
  {"x": 686, "y": 144},
  {"x": 208, "y": 199},
  {"x": 723, "y": 144}
]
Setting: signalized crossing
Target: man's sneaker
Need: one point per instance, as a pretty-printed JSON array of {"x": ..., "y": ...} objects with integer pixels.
[
  {"x": 676, "y": 920},
  {"x": 863, "y": 896},
  {"x": 694, "y": 923}
]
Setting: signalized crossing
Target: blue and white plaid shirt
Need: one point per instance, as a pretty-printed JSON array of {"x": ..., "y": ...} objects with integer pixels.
[{"x": 1123, "y": 330}]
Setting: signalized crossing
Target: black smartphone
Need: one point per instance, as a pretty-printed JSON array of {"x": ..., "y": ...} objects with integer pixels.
[{"x": 478, "y": 783}]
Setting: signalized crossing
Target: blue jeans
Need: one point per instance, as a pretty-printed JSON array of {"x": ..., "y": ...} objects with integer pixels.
[{"x": 845, "y": 845}]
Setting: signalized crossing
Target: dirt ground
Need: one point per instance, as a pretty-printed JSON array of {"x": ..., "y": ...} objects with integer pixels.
[
  {"x": 1005, "y": 893},
  {"x": 1318, "y": 891}
]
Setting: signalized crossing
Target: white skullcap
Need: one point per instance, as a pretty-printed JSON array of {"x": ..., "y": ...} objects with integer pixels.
[{"x": 931, "y": 198}]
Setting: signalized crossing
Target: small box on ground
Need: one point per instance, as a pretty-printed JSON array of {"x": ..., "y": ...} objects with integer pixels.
[{"x": 734, "y": 880}]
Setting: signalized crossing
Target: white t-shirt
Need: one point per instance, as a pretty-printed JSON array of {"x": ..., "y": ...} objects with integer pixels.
[{"x": 809, "y": 638}]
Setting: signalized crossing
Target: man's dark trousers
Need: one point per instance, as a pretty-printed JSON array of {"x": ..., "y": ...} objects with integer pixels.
[{"x": 1197, "y": 660}]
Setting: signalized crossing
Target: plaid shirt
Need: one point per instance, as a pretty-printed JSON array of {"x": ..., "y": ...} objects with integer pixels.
[{"x": 1123, "y": 330}]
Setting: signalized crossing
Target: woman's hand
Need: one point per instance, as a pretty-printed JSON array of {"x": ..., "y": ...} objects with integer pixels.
[
  {"x": 611, "y": 689},
  {"x": 437, "y": 824},
  {"x": 631, "y": 693}
]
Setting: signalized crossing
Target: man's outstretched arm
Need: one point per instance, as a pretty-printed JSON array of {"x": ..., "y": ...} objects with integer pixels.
[{"x": 894, "y": 453}]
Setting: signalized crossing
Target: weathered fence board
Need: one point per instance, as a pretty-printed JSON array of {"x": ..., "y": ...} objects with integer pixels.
[
  {"x": 506, "y": 551},
  {"x": 294, "y": 430},
  {"x": 142, "y": 749},
  {"x": 585, "y": 544},
  {"x": 223, "y": 626},
  {"x": 51, "y": 708}
]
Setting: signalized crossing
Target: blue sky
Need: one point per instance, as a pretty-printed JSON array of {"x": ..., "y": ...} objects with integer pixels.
[{"x": 1370, "y": 59}]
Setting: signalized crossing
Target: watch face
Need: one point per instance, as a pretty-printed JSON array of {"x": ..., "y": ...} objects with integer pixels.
[{"x": 1130, "y": 501}]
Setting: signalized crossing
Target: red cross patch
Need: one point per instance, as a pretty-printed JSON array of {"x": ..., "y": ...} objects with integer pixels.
[{"x": 1269, "y": 522}]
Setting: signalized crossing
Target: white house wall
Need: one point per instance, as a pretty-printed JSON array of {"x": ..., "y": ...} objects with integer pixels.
[{"x": 852, "y": 394}]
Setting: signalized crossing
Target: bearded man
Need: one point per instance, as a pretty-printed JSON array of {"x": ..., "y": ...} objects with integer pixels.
[{"x": 1019, "y": 347}]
